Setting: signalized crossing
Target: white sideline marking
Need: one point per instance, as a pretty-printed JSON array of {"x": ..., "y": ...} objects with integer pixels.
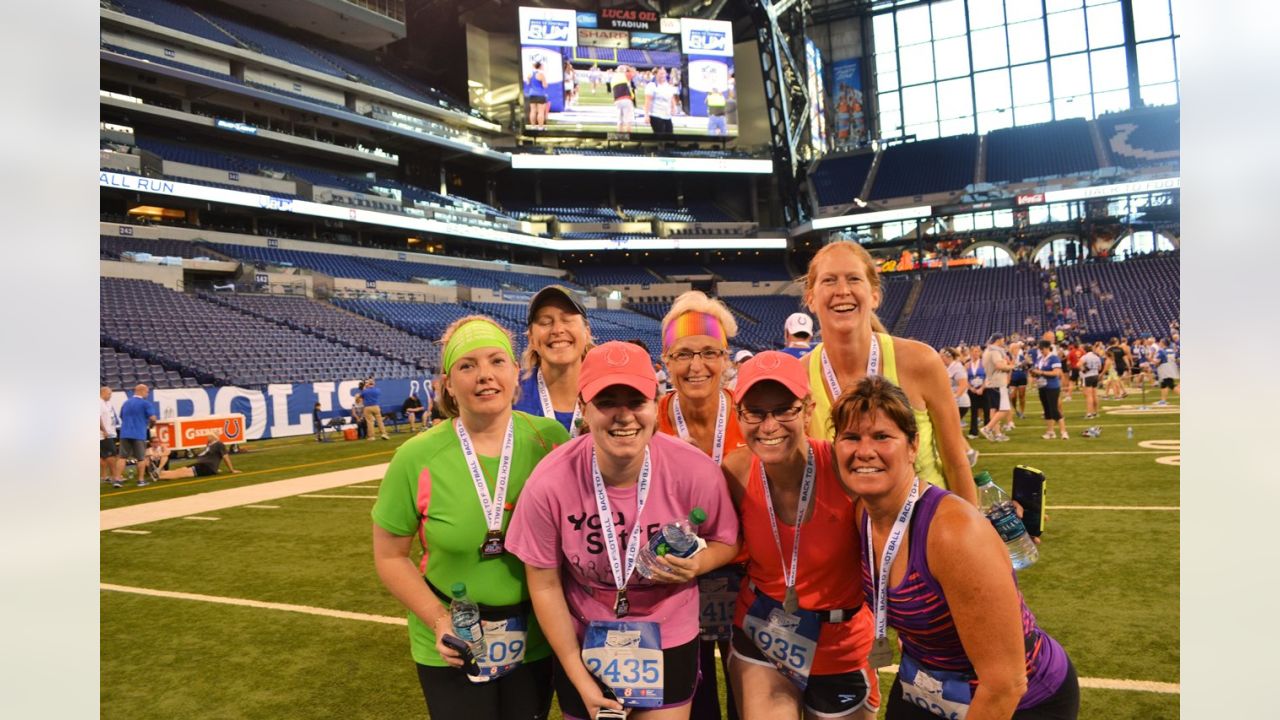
[
  {"x": 263, "y": 507},
  {"x": 304, "y": 609},
  {"x": 1096, "y": 683},
  {"x": 343, "y": 497},
  {"x": 198, "y": 517},
  {"x": 1103, "y": 683},
  {"x": 1114, "y": 507},
  {"x": 132, "y": 532}
]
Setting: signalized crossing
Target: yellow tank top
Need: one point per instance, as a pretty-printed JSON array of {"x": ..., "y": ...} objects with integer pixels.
[{"x": 928, "y": 462}]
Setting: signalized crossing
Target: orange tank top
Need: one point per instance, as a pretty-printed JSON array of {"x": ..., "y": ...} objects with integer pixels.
[{"x": 732, "y": 433}]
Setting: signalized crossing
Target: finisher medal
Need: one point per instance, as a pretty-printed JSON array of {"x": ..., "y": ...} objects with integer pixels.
[
  {"x": 621, "y": 605},
  {"x": 881, "y": 653},
  {"x": 791, "y": 603},
  {"x": 494, "y": 546}
]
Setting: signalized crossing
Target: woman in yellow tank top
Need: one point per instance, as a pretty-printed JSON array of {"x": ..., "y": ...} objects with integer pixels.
[{"x": 842, "y": 289}]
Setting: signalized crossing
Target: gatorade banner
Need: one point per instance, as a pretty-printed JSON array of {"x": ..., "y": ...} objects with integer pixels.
[{"x": 846, "y": 99}]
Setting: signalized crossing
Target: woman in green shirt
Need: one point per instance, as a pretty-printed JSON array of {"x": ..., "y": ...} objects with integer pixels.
[{"x": 454, "y": 487}]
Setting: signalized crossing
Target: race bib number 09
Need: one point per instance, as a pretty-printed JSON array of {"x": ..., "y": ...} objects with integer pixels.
[{"x": 505, "y": 641}]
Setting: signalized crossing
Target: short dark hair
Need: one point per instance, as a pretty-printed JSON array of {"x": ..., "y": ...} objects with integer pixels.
[{"x": 875, "y": 394}]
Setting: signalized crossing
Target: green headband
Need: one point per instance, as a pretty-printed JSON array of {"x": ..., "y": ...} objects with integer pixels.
[{"x": 472, "y": 335}]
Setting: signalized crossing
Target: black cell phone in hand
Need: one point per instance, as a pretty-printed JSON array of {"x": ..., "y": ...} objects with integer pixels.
[
  {"x": 460, "y": 646},
  {"x": 1029, "y": 491}
]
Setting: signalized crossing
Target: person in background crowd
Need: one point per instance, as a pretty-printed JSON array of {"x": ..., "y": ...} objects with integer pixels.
[
  {"x": 357, "y": 413},
  {"x": 977, "y": 376},
  {"x": 995, "y": 360},
  {"x": 559, "y": 337},
  {"x": 137, "y": 416},
  {"x": 1165, "y": 361},
  {"x": 214, "y": 455},
  {"x": 111, "y": 465},
  {"x": 413, "y": 411},
  {"x": 799, "y": 533},
  {"x": 453, "y": 487},
  {"x": 715, "y": 113},
  {"x": 535, "y": 94},
  {"x": 1048, "y": 371},
  {"x": 317, "y": 422},
  {"x": 1018, "y": 378},
  {"x": 1119, "y": 369},
  {"x": 1090, "y": 371},
  {"x": 797, "y": 333},
  {"x": 623, "y": 98},
  {"x": 936, "y": 571},
  {"x": 738, "y": 358},
  {"x": 695, "y": 340},
  {"x": 584, "y": 514},
  {"x": 372, "y": 395},
  {"x": 1073, "y": 355},
  {"x": 959, "y": 380},
  {"x": 842, "y": 289},
  {"x": 657, "y": 103}
]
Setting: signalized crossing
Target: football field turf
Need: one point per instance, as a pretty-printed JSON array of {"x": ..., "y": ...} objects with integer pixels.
[{"x": 273, "y": 609}]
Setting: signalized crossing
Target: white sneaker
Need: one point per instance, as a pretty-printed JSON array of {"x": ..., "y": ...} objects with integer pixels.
[
  {"x": 1002, "y": 438},
  {"x": 1066, "y": 436},
  {"x": 1009, "y": 426},
  {"x": 1051, "y": 435},
  {"x": 987, "y": 434},
  {"x": 972, "y": 455}
]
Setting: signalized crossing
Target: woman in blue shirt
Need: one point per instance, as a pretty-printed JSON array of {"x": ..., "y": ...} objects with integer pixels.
[
  {"x": 1048, "y": 374},
  {"x": 977, "y": 376}
]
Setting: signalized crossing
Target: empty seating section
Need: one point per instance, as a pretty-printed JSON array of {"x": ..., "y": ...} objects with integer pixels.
[
  {"x": 838, "y": 180},
  {"x": 174, "y": 16},
  {"x": 751, "y": 271},
  {"x": 1034, "y": 151},
  {"x": 122, "y": 371},
  {"x": 1134, "y": 297},
  {"x": 626, "y": 325},
  {"x": 1142, "y": 137},
  {"x": 894, "y": 292},
  {"x": 114, "y": 247},
  {"x": 967, "y": 305},
  {"x": 165, "y": 61},
  {"x": 426, "y": 320},
  {"x": 929, "y": 166},
  {"x": 594, "y": 275},
  {"x": 343, "y": 266},
  {"x": 673, "y": 270},
  {"x": 276, "y": 46},
  {"x": 761, "y": 318},
  {"x": 333, "y": 323},
  {"x": 219, "y": 345}
]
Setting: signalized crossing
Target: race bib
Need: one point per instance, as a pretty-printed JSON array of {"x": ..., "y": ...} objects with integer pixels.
[
  {"x": 788, "y": 640},
  {"x": 977, "y": 382},
  {"x": 945, "y": 694},
  {"x": 626, "y": 656},
  {"x": 717, "y": 596},
  {"x": 505, "y": 642}
]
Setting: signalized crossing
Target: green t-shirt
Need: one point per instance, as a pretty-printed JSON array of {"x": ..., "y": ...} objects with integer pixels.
[{"x": 428, "y": 492}]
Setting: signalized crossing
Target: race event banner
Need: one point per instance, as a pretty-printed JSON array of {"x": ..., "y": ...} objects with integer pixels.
[{"x": 276, "y": 410}]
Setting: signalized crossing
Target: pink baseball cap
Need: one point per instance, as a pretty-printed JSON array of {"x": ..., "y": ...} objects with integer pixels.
[
  {"x": 776, "y": 366},
  {"x": 617, "y": 363}
]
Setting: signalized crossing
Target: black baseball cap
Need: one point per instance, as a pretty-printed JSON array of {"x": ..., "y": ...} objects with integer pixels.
[
  {"x": 994, "y": 337},
  {"x": 548, "y": 293}
]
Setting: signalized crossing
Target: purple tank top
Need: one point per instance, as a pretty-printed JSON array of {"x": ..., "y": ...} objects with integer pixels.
[{"x": 918, "y": 611}]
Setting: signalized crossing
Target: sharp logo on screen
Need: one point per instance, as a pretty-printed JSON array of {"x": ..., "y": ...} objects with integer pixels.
[
  {"x": 547, "y": 29},
  {"x": 706, "y": 40}
]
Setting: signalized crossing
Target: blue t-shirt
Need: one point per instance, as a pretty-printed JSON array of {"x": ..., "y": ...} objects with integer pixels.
[
  {"x": 134, "y": 416},
  {"x": 796, "y": 352},
  {"x": 530, "y": 403},
  {"x": 371, "y": 397},
  {"x": 1047, "y": 364}
]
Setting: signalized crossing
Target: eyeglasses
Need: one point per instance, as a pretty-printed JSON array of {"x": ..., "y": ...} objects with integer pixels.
[
  {"x": 755, "y": 417},
  {"x": 685, "y": 356}
]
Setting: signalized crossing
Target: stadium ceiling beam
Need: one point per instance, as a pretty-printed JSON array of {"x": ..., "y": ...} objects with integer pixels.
[{"x": 780, "y": 40}]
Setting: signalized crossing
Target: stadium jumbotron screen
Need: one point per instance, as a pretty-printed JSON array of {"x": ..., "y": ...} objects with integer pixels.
[{"x": 626, "y": 71}]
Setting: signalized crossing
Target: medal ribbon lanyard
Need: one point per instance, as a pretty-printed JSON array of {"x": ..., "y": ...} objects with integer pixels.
[
  {"x": 494, "y": 506},
  {"x": 544, "y": 397},
  {"x": 873, "y": 366},
  {"x": 806, "y": 493},
  {"x": 880, "y": 581},
  {"x": 682, "y": 428},
  {"x": 621, "y": 573}
]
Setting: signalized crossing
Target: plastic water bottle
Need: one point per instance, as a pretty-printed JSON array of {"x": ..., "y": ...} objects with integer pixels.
[
  {"x": 465, "y": 615},
  {"x": 998, "y": 508},
  {"x": 676, "y": 538},
  {"x": 1129, "y": 433}
]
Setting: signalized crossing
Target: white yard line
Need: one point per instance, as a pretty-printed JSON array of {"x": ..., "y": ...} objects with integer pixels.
[
  {"x": 234, "y": 497},
  {"x": 263, "y": 507},
  {"x": 1096, "y": 683},
  {"x": 132, "y": 532},
  {"x": 343, "y": 497},
  {"x": 200, "y": 517},
  {"x": 1114, "y": 507}
]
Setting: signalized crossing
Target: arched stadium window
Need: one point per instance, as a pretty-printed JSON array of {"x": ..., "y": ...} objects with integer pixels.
[
  {"x": 990, "y": 256},
  {"x": 1060, "y": 251},
  {"x": 1141, "y": 243}
]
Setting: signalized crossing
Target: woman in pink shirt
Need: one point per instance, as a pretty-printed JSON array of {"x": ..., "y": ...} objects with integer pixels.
[{"x": 590, "y": 506}]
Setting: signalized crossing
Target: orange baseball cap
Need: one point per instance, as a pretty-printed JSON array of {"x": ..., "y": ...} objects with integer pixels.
[
  {"x": 776, "y": 366},
  {"x": 617, "y": 363}
]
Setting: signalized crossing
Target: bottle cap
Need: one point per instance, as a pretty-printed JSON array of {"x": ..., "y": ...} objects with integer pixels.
[
  {"x": 982, "y": 478},
  {"x": 698, "y": 516},
  {"x": 458, "y": 589}
]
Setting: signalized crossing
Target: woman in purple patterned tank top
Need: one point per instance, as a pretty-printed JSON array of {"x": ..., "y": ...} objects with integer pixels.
[{"x": 935, "y": 570}]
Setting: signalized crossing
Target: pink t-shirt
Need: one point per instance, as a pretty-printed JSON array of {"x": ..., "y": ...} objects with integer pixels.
[{"x": 556, "y": 523}]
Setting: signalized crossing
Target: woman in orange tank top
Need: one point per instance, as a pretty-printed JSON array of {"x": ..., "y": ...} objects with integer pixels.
[{"x": 801, "y": 630}]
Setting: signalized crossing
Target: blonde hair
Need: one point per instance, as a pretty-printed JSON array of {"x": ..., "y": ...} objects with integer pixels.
[
  {"x": 810, "y": 279},
  {"x": 530, "y": 360},
  {"x": 697, "y": 301},
  {"x": 447, "y": 402}
]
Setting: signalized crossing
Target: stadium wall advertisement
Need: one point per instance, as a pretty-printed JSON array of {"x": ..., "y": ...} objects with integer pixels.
[
  {"x": 846, "y": 89},
  {"x": 280, "y": 410}
]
